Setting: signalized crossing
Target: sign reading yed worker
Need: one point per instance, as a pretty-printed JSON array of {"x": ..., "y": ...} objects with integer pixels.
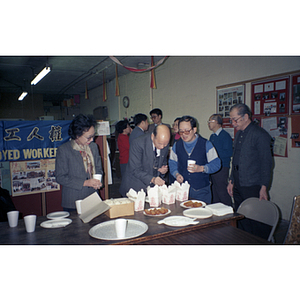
[{"x": 31, "y": 140}]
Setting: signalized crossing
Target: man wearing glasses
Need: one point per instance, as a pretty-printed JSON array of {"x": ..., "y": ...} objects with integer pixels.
[
  {"x": 222, "y": 141},
  {"x": 156, "y": 116},
  {"x": 252, "y": 160},
  {"x": 191, "y": 146}
]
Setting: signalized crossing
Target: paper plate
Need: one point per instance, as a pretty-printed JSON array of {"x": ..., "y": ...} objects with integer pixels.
[
  {"x": 161, "y": 215},
  {"x": 182, "y": 204},
  {"x": 58, "y": 215},
  {"x": 178, "y": 221},
  {"x": 58, "y": 223},
  {"x": 107, "y": 231},
  {"x": 199, "y": 213}
]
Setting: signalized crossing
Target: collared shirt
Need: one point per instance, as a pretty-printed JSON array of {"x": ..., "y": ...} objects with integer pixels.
[
  {"x": 218, "y": 131},
  {"x": 157, "y": 150}
]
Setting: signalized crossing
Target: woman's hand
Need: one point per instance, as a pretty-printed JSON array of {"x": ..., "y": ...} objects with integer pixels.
[{"x": 94, "y": 183}]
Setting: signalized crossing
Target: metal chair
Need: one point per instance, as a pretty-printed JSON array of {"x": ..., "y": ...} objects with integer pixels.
[
  {"x": 293, "y": 232},
  {"x": 262, "y": 211}
]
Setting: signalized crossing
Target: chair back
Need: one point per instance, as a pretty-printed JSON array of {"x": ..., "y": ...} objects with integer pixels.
[
  {"x": 262, "y": 211},
  {"x": 293, "y": 232}
]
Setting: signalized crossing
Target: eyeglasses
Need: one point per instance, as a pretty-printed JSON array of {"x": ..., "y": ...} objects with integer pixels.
[
  {"x": 235, "y": 121},
  {"x": 89, "y": 138},
  {"x": 186, "y": 131},
  {"x": 212, "y": 121}
]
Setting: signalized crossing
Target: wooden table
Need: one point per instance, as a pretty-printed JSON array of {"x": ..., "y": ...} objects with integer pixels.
[{"x": 213, "y": 230}]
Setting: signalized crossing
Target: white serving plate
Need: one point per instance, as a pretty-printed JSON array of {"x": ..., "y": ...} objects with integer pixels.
[
  {"x": 58, "y": 215},
  {"x": 58, "y": 223},
  {"x": 195, "y": 201},
  {"x": 178, "y": 221},
  {"x": 106, "y": 230},
  {"x": 198, "y": 213},
  {"x": 161, "y": 215}
]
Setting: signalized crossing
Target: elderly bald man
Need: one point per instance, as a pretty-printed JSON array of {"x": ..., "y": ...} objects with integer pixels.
[{"x": 147, "y": 164}]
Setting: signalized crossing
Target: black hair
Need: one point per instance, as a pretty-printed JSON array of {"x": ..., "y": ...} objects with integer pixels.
[
  {"x": 217, "y": 118},
  {"x": 139, "y": 118},
  {"x": 177, "y": 119},
  {"x": 80, "y": 125},
  {"x": 190, "y": 119},
  {"x": 121, "y": 125},
  {"x": 242, "y": 109},
  {"x": 156, "y": 111}
]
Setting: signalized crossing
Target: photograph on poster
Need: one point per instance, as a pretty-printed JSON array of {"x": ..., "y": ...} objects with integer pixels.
[
  {"x": 33, "y": 176},
  {"x": 228, "y": 97}
]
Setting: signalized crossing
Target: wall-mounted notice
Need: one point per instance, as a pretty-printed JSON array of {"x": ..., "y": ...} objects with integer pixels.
[
  {"x": 34, "y": 176},
  {"x": 227, "y": 97},
  {"x": 270, "y": 97}
]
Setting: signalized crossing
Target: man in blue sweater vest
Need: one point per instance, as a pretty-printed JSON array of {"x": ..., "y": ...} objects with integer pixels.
[
  {"x": 191, "y": 146},
  {"x": 222, "y": 141}
]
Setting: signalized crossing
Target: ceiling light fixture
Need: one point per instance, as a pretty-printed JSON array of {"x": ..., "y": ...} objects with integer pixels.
[
  {"x": 41, "y": 75},
  {"x": 22, "y": 96}
]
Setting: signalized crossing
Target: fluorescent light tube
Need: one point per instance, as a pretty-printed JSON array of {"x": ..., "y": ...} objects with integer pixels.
[
  {"x": 22, "y": 96},
  {"x": 41, "y": 75}
]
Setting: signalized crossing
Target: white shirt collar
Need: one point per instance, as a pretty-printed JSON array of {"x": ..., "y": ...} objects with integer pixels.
[{"x": 218, "y": 131}]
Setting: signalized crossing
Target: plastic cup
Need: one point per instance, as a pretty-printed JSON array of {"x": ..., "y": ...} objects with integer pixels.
[
  {"x": 97, "y": 176},
  {"x": 30, "y": 221},
  {"x": 78, "y": 206},
  {"x": 191, "y": 162},
  {"x": 120, "y": 225},
  {"x": 13, "y": 217}
]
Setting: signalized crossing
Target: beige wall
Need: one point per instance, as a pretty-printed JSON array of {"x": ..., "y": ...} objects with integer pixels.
[{"x": 187, "y": 85}]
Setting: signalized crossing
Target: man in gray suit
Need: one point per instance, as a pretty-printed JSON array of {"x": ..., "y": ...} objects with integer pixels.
[
  {"x": 147, "y": 164},
  {"x": 156, "y": 116},
  {"x": 141, "y": 125}
]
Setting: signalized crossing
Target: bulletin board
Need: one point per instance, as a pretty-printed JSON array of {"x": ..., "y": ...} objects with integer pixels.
[
  {"x": 227, "y": 97},
  {"x": 295, "y": 109},
  {"x": 270, "y": 97},
  {"x": 33, "y": 176},
  {"x": 277, "y": 127},
  {"x": 295, "y": 136}
]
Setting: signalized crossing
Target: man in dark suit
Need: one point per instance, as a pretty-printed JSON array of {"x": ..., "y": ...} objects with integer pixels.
[
  {"x": 147, "y": 165},
  {"x": 141, "y": 125},
  {"x": 156, "y": 116}
]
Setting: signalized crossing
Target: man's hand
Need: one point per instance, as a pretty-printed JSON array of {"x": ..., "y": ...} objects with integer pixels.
[
  {"x": 263, "y": 195},
  {"x": 179, "y": 178},
  {"x": 163, "y": 169},
  {"x": 230, "y": 188}
]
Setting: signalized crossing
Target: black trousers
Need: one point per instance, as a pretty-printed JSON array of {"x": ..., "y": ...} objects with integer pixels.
[
  {"x": 241, "y": 193},
  {"x": 219, "y": 187}
]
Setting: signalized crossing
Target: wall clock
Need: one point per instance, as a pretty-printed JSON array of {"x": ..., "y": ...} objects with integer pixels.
[{"x": 126, "y": 102}]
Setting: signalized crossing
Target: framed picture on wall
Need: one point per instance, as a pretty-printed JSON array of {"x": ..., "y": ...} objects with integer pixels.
[{"x": 227, "y": 97}]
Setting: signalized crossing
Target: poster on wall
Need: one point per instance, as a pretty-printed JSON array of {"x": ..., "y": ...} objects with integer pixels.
[
  {"x": 270, "y": 97},
  {"x": 296, "y": 94},
  {"x": 34, "y": 176},
  {"x": 227, "y": 97}
]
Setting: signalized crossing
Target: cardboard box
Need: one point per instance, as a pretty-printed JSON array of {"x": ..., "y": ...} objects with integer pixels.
[{"x": 121, "y": 210}]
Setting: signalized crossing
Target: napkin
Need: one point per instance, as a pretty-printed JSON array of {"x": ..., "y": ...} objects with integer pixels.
[
  {"x": 220, "y": 209},
  {"x": 182, "y": 190},
  {"x": 138, "y": 198},
  {"x": 91, "y": 207},
  {"x": 154, "y": 195}
]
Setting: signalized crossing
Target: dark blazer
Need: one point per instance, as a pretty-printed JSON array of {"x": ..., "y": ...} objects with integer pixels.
[
  {"x": 256, "y": 162},
  {"x": 70, "y": 173},
  {"x": 152, "y": 126},
  {"x": 136, "y": 132},
  {"x": 139, "y": 171}
]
